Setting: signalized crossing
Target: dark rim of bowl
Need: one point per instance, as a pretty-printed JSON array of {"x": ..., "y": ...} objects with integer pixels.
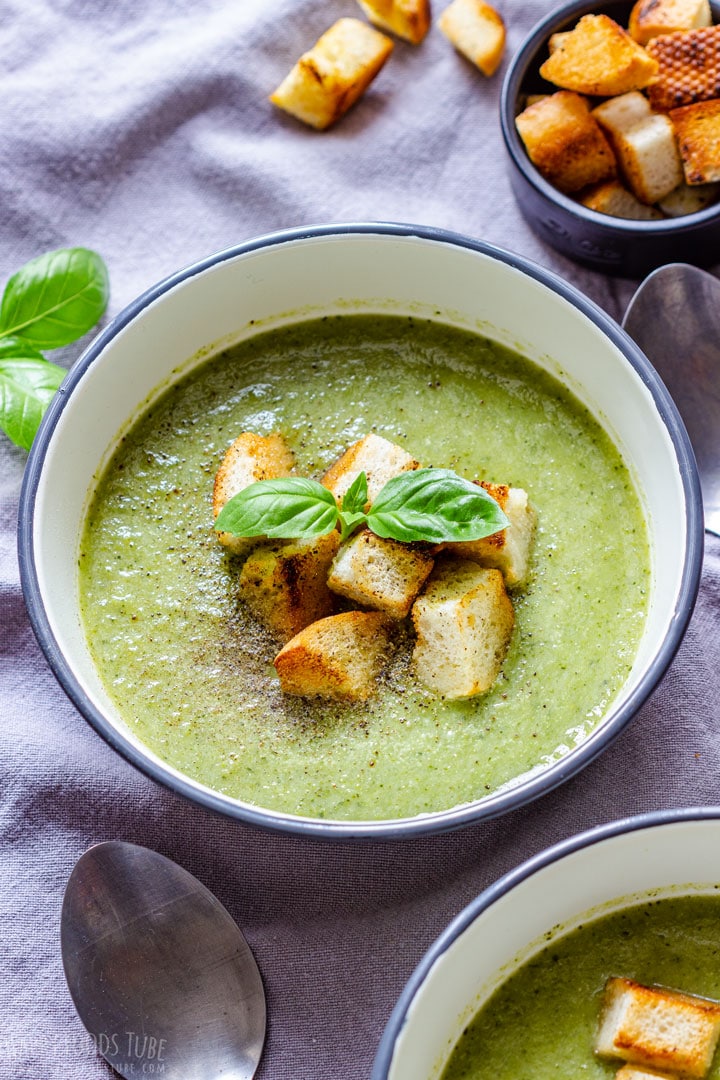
[
  {"x": 496, "y": 891},
  {"x": 509, "y": 95},
  {"x": 397, "y": 828}
]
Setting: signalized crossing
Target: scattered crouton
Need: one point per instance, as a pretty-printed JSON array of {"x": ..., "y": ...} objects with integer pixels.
[
  {"x": 385, "y": 575},
  {"x": 409, "y": 19},
  {"x": 650, "y": 18},
  {"x": 507, "y": 550},
  {"x": 338, "y": 657},
  {"x": 698, "y": 133},
  {"x": 463, "y": 621},
  {"x": 689, "y": 200},
  {"x": 330, "y": 78},
  {"x": 477, "y": 31},
  {"x": 637, "y": 1072},
  {"x": 284, "y": 584},
  {"x": 688, "y": 68},
  {"x": 613, "y": 198},
  {"x": 565, "y": 142},
  {"x": 658, "y": 1028},
  {"x": 644, "y": 143},
  {"x": 248, "y": 459},
  {"x": 600, "y": 59},
  {"x": 378, "y": 458}
]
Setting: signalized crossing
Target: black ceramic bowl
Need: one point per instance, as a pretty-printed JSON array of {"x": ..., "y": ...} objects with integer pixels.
[{"x": 613, "y": 245}]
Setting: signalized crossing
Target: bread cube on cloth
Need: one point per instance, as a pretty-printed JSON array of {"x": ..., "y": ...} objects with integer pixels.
[
  {"x": 338, "y": 657},
  {"x": 328, "y": 79},
  {"x": 599, "y": 58},
  {"x": 565, "y": 142},
  {"x": 658, "y": 1028},
  {"x": 477, "y": 31},
  {"x": 284, "y": 584},
  {"x": 409, "y": 19},
  {"x": 463, "y": 621},
  {"x": 248, "y": 459},
  {"x": 385, "y": 575}
]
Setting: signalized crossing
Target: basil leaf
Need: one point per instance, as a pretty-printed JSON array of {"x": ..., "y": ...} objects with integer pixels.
[
  {"x": 55, "y": 298},
  {"x": 27, "y": 386},
  {"x": 286, "y": 509},
  {"x": 356, "y": 495},
  {"x": 435, "y": 505}
]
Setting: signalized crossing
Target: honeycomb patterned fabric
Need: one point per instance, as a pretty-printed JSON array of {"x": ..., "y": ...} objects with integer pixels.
[{"x": 689, "y": 68}]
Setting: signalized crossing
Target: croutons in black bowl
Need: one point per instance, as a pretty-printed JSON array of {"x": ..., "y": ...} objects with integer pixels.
[{"x": 561, "y": 203}]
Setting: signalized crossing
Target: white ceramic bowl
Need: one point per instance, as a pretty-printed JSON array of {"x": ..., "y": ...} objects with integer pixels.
[
  {"x": 374, "y": 267},
  {"x": 670, "y": 853}
]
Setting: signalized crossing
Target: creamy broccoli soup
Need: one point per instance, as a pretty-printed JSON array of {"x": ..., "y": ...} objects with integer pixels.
[
  {"x": 191, "y": 672},
  {"x": 542, "y": 1021}
]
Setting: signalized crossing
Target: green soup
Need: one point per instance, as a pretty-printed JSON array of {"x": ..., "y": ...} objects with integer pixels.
[
  {"x": 192, "y": 675},
  {"x": 541, "y": 1023}
]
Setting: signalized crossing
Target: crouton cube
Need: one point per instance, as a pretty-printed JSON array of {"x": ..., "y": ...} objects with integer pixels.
[
  {"x": 698, "y": 133},
  {"x": 565, "y": 142},
  {"x": 650, "y": 18},
  {"x": 600, "y": 59},
  {"x": 658, "y": 1028},
  {"x": 613, "y": 198},
  {"x": 508, "y": 550},
  {"x": 248, "y": 459},
  {"x": 463, "y": 621},
  {"x": 688, "y": 68},
  {"x": 556, "y": 40},
  {"x": 338, "y": 657},
  {"x": 284, "y": 584},
  {"x": 409, "y": 19},
  {"x": 689, "y": 200},
  {"x": 645, "y": 145},
  {"x": 385, "y": 575},
  {"x": 330, "y": 78},
  {"x": 637, "y": 1072},
  {"x": 477, "y": 31},
  {"x": 378, "y": 458}
]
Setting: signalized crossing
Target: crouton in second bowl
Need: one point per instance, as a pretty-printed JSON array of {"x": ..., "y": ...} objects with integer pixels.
[
  {"x": 465, "y": 358},
  {"x": 570, "y": 176}
]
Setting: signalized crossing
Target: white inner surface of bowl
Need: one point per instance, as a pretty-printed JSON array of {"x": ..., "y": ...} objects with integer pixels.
[
  {"x": 666, "y": 860},
  {"x": 363, "y": 272}
]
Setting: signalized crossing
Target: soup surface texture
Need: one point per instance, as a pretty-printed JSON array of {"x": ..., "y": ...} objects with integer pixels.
[
  {"x": 541, "y": 1023},
  {"x": 192, "y": 674}
]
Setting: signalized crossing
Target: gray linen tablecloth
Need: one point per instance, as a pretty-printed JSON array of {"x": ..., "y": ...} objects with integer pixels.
[{"x": 143, "y": 130}]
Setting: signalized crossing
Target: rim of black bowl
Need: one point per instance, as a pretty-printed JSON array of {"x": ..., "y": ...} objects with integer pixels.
[
  {"x": 494, "y": 892},
  {"x": 509, "y": 95},
  {"x": 396, "y": 828}
]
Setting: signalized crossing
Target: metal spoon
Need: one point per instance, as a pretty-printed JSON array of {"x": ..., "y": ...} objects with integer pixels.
[
  {"x": 675, "y": 318},
  {"x": 159, "y": 972}
]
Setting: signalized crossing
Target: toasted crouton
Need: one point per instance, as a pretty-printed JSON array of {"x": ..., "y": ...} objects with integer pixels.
[
  {"x": 637, "y": 1072},
  {"x": 698, "y": 132},
  {"x": 330, "y": 78},
  {"x": 477, "y": 31},
  {"x": 613, "y": 198},
  {"x": 385, "y": 575},
  {"x": 378, "y": 458},
  {"x": 688, "y": 68},
  {"x": 508, "y": 550},
  {"x": 644, "y": 143},
  {"x": 689, "y": 200},
  {"x": 658, "y": 1028},
  {"x": 649, "y": 18},
  {"x": 338, "y": 657},
  {"x": 463, "y": 621},
  {"x": 556, "y": 40},
  {"x": 565, "y": 142},
  {"x": 409, "y": 19},
  {"x": 284, "y": 584},
  {"x": 249, "y": 459},
  {"x": 600, "y": 59}
]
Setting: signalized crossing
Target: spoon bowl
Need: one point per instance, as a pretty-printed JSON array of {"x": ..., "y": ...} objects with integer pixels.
[
  {"x": 159, "y": 972},
  {"x": 675, "y": 319}
]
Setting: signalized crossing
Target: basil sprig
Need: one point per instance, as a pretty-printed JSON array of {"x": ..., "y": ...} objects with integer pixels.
[
  {"x": 434, "y": 505},
  {"x": 51, "y": 301}
]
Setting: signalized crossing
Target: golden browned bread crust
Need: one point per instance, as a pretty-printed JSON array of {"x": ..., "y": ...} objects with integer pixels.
[
  {"x": 650, "y": 18},
  {"x": 688, "y": 68},
  {"x": 599, "y": 58},
  {"x": 698, "y": 132},
  {"x": 248, "y": 459},
  {"x": 477, "y": 30},
  {"x": 565, "y": 143},
  {"x": 338, "y": 657},
  {"x": 409, "y": 19}
]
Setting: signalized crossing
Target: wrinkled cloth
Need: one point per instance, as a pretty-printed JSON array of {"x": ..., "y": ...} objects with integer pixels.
[{"x": 143, "y": 130}]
